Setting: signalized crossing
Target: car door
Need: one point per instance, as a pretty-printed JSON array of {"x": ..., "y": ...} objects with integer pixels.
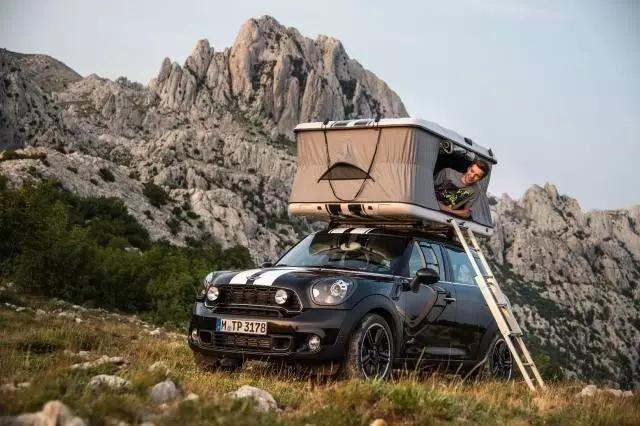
[
  {"x": 428, "y": 315},
  {"x": 473, "y": 316}
]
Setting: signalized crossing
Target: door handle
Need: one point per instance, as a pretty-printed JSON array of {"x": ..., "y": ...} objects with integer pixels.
[{"x": 449, "y": 299}]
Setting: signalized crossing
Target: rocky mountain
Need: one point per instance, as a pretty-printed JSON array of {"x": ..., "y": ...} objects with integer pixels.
[
  {"x": 573, "y": 277},
  {"x": 216, "y": 135},
  {"x": 215, "y": 132}
]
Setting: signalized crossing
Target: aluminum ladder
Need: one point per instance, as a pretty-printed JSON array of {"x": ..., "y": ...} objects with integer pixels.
[{"x": 500, "y": 308}]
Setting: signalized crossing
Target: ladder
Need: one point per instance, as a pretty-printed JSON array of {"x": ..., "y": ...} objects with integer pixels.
[{"x": 500, "y": 308}]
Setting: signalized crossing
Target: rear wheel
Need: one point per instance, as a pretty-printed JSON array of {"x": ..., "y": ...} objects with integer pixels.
[
  {"x": 499, "y": 363},
  {"x": 370, "y": 351}
]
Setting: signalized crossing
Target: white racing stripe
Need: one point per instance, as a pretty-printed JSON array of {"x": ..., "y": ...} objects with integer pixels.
[
  {"x": 242, "y": 277},
  {"x": 361, "y": 231},
  {"x": 338, "y": 230},
  {"x": 269, "y": 277}
]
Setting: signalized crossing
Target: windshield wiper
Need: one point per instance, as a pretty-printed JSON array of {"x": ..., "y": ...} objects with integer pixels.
[{"x": 335, "y": 267}]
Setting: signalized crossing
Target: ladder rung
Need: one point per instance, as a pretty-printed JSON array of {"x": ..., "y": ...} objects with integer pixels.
[{"x": 515, "y": 333}]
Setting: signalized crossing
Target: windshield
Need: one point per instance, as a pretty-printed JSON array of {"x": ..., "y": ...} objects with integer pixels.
[{"x": 362, "y": 252}]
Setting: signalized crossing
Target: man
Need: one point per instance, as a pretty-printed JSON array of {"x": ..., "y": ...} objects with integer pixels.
[{"x": 457, "y": 192}]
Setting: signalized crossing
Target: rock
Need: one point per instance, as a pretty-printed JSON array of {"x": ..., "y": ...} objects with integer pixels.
[
  {"x": 8, "y": 387},
  {"x": 84, "y": 354},
  {"x": 614, "y": 392},
  {"x": 589, "y": 390},
  {"x": 54, "y": 413},
  {"x": 192, "y": 397},
  {"x": 159, "y": 366},
  {"x": 263, "y": 400},
  {"x": 157, "y": 332},
  {"x": 112, "y": 382},
  {"x": 24, "y": 385},
  {"x": 627, "y": 394},
  {"x": 21, "y": 309},
  {"x": 163, "y": 392},
  {"x": 78, "y": 320},
  {"x": 103, "y": 360},
  {"x": 378, "y": 422},
  {"x": 40, "y": 312},
  {"x": 67, "y": 315}
]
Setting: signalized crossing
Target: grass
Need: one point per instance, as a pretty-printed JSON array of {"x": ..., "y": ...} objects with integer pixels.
[{"x": 41, "y": 348}]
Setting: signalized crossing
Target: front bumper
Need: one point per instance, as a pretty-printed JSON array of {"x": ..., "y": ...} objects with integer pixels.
[{"x": 286, "y": 338}]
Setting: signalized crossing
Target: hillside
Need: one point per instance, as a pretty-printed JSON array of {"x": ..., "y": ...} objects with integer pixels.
[
  {"x": 52, "y": 350},
  {"x": 215, "y": 135}
]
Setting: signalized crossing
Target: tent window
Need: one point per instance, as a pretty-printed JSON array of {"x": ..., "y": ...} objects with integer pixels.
[{"x": 344, "y": 171}]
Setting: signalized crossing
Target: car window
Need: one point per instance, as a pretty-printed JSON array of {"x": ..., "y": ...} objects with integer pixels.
[
  {"x": 460, "y": 267},
  {"x": 431, "y": 258},
  {"x": 416, "y": 261}
]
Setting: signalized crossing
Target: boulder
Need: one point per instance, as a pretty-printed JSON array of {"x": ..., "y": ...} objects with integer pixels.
[
  {"x": 54, "y": 413},
  {"x": 164, "y": 392},
  {"x": 111, "y": 382},
  {"x": 263, "y": 400}
]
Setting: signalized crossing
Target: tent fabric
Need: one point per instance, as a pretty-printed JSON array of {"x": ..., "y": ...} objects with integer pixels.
[{"x": 379, "y": 164}]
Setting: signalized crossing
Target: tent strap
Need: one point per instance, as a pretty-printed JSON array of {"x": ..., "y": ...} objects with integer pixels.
[{"x": 364, "y": 181}]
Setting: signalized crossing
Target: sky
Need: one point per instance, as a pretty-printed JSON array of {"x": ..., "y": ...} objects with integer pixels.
[{"x": 553, "y": 87}]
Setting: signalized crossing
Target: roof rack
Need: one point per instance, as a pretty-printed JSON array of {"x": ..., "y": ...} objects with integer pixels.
[{"x": 416, "y": 225}]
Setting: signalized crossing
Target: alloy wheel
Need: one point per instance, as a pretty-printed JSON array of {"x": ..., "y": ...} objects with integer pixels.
[
  {"x": 375, "y": 352},
  {"x": 501, "y": 361}
]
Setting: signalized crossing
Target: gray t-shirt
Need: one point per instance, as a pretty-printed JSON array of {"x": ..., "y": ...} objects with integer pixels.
[{"x": 452, "y": 192}]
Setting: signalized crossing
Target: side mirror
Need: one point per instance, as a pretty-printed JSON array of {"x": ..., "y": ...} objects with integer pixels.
[
  {"x": 424, "y": 276},
  {"x": 266, "y": 264}
]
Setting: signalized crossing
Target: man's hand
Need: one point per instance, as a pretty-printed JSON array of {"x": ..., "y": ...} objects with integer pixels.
[
  {"x": 466, "y": 213},
  {"x": 463, "y": 213}
]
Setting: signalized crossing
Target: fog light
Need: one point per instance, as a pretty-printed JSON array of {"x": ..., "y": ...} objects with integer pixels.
[
  {"x": 314, "y": 343},
  {"x": 213, "y": 293},
  {"x": 281, "y": 297},
  {"x": 194, "y": 334}
]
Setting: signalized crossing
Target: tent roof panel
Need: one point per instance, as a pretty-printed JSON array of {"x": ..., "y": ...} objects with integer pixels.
[{"x": 428, "y": 126}]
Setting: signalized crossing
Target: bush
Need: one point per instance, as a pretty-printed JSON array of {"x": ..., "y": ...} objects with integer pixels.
[
  {"x": 57, "y": 244},
  {"x": 157, "y": 196},
  {"x": 106, "y": 175}
]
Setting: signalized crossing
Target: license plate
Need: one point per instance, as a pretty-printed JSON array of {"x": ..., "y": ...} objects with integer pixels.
[{"x": 241, "y": 326}]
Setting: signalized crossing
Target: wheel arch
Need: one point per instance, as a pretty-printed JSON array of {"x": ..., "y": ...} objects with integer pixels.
[{"x": 385, "y": 308}]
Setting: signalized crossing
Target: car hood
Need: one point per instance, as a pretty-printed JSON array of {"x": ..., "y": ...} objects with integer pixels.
[{"x": 290, "y": 276}]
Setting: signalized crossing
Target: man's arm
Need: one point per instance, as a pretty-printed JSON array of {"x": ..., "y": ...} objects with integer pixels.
[{"x": 466, "y": 213}]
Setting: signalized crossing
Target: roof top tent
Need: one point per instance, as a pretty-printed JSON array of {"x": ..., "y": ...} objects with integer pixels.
[{"x": 381, "y": 172}]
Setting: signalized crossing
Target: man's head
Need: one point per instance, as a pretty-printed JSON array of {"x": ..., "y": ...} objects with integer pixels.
[{"x": 475, "y": 172}]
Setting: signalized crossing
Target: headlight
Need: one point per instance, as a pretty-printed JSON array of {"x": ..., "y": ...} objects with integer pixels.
[
  {"x": 212, "y": 293},
  {"x": 206, "y": 283},
  {"x": 281, "y": 296},
  {"x": 332, "y": 291}
]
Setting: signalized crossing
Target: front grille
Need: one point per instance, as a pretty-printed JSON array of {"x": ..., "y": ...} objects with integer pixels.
[
  {"x": 230, "y": 310},
  {"x": 239, "y": 341},
  {"x": 255, "y": 295}
]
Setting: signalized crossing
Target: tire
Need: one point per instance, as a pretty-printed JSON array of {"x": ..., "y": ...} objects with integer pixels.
[
  {"x": 370, "y": 351},
  {"x": 498, "y": 364},
  {"x": 209, "y": 363}
]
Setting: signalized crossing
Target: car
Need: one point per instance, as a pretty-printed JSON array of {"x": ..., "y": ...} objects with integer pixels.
[{"x": 359, "y": 301}]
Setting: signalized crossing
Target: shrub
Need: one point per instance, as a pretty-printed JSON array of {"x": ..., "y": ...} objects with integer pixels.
[
  {"x": 155, "y": 194},
  {"x": 106, "y": 174},
  {"x": 57, "y": 244}
]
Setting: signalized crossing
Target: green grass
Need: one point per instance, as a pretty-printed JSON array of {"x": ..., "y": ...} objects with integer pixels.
[{"x": 36, "y": 349}]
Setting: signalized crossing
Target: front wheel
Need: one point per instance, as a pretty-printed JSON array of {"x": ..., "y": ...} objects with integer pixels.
[{"x": 370, "y": 351}]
